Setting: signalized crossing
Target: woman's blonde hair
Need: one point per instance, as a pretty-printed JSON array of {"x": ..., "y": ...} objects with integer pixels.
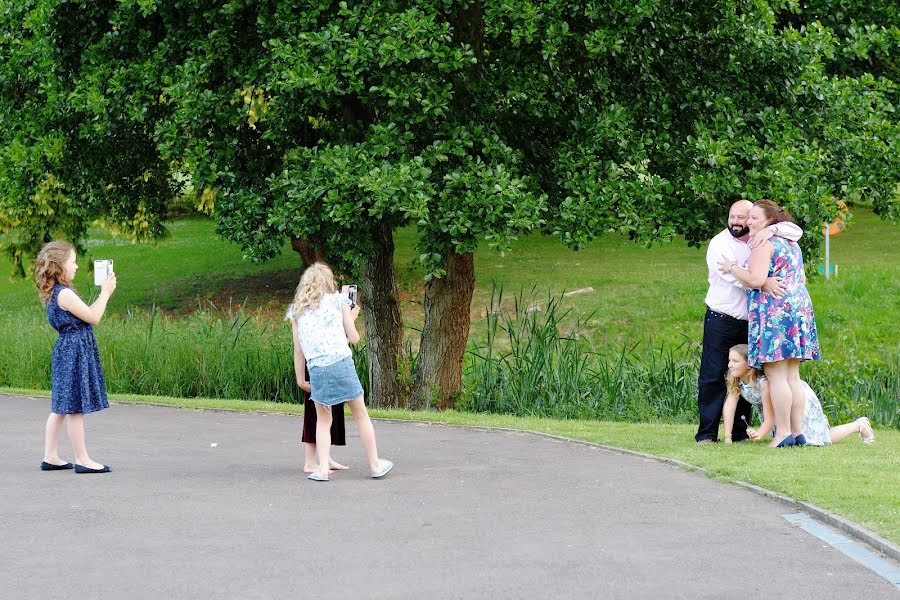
[
  {"x": 48, "y": 269},
  {"x": 731, "y": 382},
  {"x": 317, "y": 280}
]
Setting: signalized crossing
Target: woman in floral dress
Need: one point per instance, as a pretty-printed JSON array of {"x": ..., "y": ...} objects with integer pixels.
[{"x": 782, "y": 330}]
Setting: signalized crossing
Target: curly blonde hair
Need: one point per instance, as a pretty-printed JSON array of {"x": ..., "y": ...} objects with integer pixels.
[
  {"x": 48, "y": 269},
  {"x": 317, "y": 280},
  {"x": 731, "y": 382}
]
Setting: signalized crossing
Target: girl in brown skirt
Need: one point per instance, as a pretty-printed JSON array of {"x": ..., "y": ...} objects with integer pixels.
[{"x": 338, "y": 436}]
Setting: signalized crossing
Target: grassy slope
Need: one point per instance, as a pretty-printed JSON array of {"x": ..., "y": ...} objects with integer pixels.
[
  {"x": 192, "y": 263},
  {"x": 639, "y": 293}
]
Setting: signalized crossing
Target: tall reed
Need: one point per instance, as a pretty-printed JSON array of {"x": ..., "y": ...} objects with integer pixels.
[
  {"x": 216, "y": 353},
  {"x": 537, "y": 360}
]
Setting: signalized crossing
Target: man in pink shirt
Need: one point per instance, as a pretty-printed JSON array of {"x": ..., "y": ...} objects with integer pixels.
[{"x": 725, "y": 324}]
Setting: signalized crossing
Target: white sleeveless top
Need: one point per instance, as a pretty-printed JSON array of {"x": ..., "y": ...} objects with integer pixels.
[{"x": 321, "y": 331}]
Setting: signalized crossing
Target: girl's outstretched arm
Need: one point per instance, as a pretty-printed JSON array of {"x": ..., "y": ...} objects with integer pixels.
[
  {"x": 350, "y": 315},
  {"x": 69, "y": 301},
  {"x": 728, "y": 414},
  {"x": 299, "y": 360}
]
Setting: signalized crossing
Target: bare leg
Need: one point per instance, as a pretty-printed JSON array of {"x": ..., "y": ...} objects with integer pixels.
[
  {"x": 311, "y": 462},
  {"x": 798, "y": 396},
  {"x": 51, "y": 439},
  {"x": 75, "y": 426},
  {"x": 781, "y": 395},
  {"x": 323, "y": 439},
  {"x": 841, "y": 431},
  {"x": 366, "y": 433}
]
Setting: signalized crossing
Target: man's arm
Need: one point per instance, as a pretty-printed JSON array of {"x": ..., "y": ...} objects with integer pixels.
[
  {"x": 785, "y": 229},
  {"x": 789, "y": 231}
]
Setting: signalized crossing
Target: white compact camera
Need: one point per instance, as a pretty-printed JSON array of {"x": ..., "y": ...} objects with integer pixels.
[
  {"x": 103, "y": 270},
  {"x": 353, "y": 294}
]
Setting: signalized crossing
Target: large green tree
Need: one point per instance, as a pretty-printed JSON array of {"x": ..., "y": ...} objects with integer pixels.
[{"x": 333, "y": 123}]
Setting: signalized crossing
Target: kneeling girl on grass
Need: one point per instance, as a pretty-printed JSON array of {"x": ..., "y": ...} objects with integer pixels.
[
  {"x": 323, "y": 326},
  {"x": 745, "y": 381}
]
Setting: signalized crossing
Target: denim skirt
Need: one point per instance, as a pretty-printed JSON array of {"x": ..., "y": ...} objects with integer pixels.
[{"x": 335, "y": 383}]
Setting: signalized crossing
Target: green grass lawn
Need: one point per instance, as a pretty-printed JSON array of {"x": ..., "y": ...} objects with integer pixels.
[
  {"x": 639, "y": 293},
  {"x": 859, "y": 482},
  {"x": 650, "y": 295},
  {"x": 193, "y": 263}
]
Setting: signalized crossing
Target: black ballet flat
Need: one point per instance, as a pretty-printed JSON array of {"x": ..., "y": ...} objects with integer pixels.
[
  {"x": 83, "y": 469},
  {"x": 45, "y": 466}
]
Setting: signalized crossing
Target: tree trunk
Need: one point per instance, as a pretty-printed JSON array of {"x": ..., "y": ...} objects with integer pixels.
[
  {"x": 448, "y": 302},
  {"x": 384, "y": 327},
  {"x": 310, "y": 250},
  {"x": 468, "y": 27}
]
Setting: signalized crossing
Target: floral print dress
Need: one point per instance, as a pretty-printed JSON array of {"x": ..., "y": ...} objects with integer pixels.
[{"x": 782, "y": 328}]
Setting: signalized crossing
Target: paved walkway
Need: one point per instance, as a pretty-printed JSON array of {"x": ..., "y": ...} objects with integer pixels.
[{"x": 465, "y": 514}]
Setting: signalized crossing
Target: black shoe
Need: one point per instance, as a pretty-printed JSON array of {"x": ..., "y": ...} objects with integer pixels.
[
  {"x": 45, "y": 466},
  {"x": 800, "y": 440},
  {"x": 83, "y": 469}
]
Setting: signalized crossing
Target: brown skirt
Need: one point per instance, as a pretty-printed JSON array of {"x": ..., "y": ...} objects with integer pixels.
[{"x": 338, "y": 436}]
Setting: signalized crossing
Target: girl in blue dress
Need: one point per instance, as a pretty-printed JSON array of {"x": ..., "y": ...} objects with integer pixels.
[
  {"x": 323, "y": 325},
  {"x": 748, "y": 383},
  {"x": 77, "y": 383}
]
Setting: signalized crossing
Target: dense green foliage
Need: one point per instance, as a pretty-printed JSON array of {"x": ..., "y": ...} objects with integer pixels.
[{"x": 466, "y": 118}]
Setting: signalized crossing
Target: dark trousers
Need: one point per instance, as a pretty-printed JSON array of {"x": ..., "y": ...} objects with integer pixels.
[
  {"x": 338, "y": 435},
  {"x": 720, "y": 333}
]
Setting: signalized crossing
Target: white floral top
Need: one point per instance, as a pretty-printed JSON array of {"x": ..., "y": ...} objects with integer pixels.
[{"x": 321, "y": 331}]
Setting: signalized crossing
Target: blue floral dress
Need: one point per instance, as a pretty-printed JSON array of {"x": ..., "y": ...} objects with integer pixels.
[
  {"x": 782, "y": 328},
  {"x": 77, "y": 384}
]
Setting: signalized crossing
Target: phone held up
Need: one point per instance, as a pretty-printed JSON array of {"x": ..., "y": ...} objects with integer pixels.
[
  {"x": 353, "y": 294},
  {"x": 103, "y": 270}
]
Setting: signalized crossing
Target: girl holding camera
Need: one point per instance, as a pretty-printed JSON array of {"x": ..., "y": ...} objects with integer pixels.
[
  {"x": 323, "y": 326},
  {"x": 77, "y": 382}
]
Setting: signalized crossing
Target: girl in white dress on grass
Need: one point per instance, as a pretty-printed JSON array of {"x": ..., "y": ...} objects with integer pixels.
[{"x": 747, "y": 382}]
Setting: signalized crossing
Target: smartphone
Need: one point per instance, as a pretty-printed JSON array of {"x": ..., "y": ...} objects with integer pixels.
[
  {"x": 103, "y": 270},
  {"x": 353, "y": 294}
]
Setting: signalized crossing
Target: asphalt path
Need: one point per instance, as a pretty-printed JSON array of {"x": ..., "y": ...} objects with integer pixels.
[{"x": 210, "y": 504}]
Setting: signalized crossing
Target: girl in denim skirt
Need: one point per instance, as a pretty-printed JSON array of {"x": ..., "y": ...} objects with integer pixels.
[{"x": 323, "y": 326}]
